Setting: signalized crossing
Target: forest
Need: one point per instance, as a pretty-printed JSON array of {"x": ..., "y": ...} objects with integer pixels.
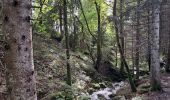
[{"x": 84, "y": 49}]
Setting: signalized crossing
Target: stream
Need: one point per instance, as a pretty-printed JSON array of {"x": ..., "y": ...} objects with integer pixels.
[{"x": 106, "y": 92}]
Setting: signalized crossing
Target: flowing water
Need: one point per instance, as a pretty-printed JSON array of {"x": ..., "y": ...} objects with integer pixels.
[{"x": 106, "y": 92}]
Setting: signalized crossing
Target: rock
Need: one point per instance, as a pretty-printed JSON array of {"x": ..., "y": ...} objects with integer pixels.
[
  {"x": 108, "y": 70},
  {"x": 102, "y": 85},
  {"x": 96, "y": 86},
  {"x": 91, "y": 90},
  {"x": 119, "y": 98},
  {"x": 112, "y": 95},
  {"x": 137, "y": 98},
  {"x": 101, "y": 97}
]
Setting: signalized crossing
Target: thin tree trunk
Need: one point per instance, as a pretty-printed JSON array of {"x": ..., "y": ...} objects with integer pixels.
[
  {"x": 149, "y": 45},
  {"x": 121, "y": 35},
  {"x": 99, "y": 38},
  {"x": 19, "y": 51},
  {"x": 61, "y": 21},
  {"x": 133, "y": 87},
  {"x": 137, "y": 42},
  {"x": 116, "y": 54},
  {"x": 75, "y": 35},
  {"x": 133, "y": 65},
  {"x": 67, "y": 44},
  {"x": 75, "y": 28}
]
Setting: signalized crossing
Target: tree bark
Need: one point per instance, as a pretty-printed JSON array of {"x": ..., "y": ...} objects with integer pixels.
[
  {"x": 61, "y": 21},
  {"x": 137, "y": 41},
  {"x": 67, "y": 44},
  {"x": 149, "y": 45},
  {"x": 167, "y": 69},
  {"x": 121, "y": 35},
  {"x": 19, "y": 51},
  {"x": 155, "y": 65},
  {"x": 99, "y": 38}
]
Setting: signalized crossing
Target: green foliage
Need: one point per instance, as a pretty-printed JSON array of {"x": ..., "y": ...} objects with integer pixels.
[{"x": 66, "y": 94}]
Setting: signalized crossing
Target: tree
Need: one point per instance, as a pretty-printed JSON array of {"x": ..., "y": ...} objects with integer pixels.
[
  {"x": 167, "y": 68},
  {"x": 133, "y": 87},
  {"x": 19, "y": 51},
  {"x": 121, "y": 35},
  {"x": 165, "y": 30},
  {"x": 99, "y": 38},
  {"x": 155, "y": 66},
  {"x": 61, "y": 21},
  {"x": 67, "y": 43},
  {"x": 149, "y": 35},
  {"x": 136, "y": 64}
]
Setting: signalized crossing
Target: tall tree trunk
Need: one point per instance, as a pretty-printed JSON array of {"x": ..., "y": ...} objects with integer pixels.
[
  {"x": 19, "y": 52},
  {"x": 75, "y": 28},
  {"x": 1, "y": 53},
  {"x": 133, "y": 87},
  {"x": 116, "y": 54},
  {"x": 136, "y": 64},
  {"x": 167, "y": 11},
  {"x": 67, "y": 43},
  {"x": 167, "y": 69},
  {"x": 155, "y": 65},
  {"x": 121, "y": 35},
  {"x": 99, "y": 38},
  {"x": 61, "y": 21},
  {"x": 75, "y": 35},
  {"x": 133, "y": 64},
  {"x": 149, "y": 45},
  {"x": 2, "y": 67}
]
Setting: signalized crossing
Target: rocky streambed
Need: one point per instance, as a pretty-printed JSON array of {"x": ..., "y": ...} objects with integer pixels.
[{"x": 107, "y": 93}]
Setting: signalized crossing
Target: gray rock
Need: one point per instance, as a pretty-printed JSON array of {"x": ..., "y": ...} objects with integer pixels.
[{"x": 119, "y": 98}]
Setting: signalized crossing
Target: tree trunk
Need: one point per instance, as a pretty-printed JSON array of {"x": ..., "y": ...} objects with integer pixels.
[
  {"x": 61, "y": 21},
  {"x": 137, "y": 41},
  {"x": 99, "y": 38},
  {"x": 167, "y": 34},
  {"x": 1, "y": 54},
  {"x": 149, "y": 45},
  {"x": 116, "y": 54},
  {"x": 121, "y": 35},
  {"x": 167, "y": 68},
  {"x": 133, "y": 87},
  {"x": 133, "y": 64},
  {"x": 19, "y": 52},
  {"x": 67, "y": 44},
  {"x": 155, "y": 65}
]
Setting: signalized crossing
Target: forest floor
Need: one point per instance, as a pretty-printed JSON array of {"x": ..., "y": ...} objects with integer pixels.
[
  {"x": 50, "y": 66},
  {"x": 165, "y": 93}
]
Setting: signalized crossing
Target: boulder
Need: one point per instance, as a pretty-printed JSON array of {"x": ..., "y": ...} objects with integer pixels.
[{"x": 107, "y": 69}]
